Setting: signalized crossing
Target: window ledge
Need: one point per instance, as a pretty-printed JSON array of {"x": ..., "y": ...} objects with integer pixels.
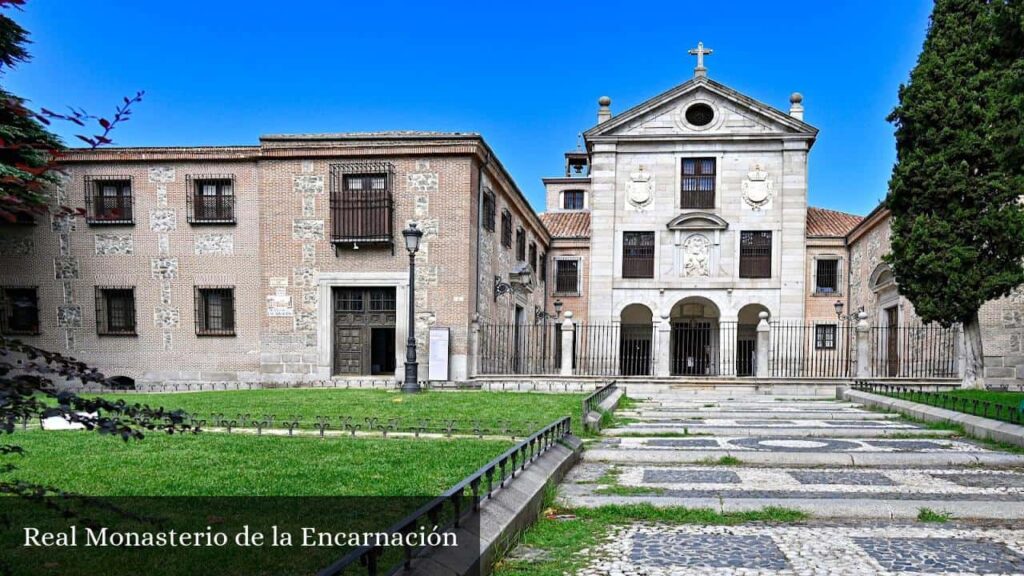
[
  {"x": 213, "y": 222},
  {"x": 116, "y": 334},
  {"x": 95, "y": 222},
  {"x": 207, "y": 334}
]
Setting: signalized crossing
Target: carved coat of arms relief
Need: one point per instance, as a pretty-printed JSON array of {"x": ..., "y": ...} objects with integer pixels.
[
  {"x": 640, "y": 189},
  {"x": 758, "y": 188}
]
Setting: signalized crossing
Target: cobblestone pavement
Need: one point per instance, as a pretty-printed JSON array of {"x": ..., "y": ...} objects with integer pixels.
[
  {"x": 806, "y": 454},
  {"x": 661, "y": 550}
]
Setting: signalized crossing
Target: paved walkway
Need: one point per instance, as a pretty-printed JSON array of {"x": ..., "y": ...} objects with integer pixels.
[{"x": 863, "y": 476}]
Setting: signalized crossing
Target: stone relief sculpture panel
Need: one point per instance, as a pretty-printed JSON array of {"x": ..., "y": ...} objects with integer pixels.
[
  {"x": 697, "y": 256},
  {"x": 758, "y": 188},
  {"x": 640, "y": 189}
]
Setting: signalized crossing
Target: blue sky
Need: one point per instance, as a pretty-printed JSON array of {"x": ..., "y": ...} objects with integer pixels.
[{"x": 524, "y": 74}]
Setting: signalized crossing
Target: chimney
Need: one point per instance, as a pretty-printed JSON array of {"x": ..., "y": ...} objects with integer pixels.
[
  {"x": 604, "y": 111},
  {"x": 796, "y": 107}
]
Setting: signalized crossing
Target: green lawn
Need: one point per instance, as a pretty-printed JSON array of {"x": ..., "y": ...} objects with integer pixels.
[
  {"x": 1003, "y": 406},
  {"x": 525, "y": 411},
  {"x": 211, "y": 464}
]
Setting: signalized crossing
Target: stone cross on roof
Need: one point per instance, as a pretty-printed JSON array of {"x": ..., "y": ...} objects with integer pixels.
[{"x": 700, "y": 52}]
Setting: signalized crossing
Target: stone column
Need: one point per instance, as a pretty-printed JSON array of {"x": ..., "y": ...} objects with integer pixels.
[
  {"x": 474, "y": 347},
  {"x": 568, "y": 335},
  {"x": 863, "y": 346},
  {"x": 763, "y": 332},
  {"x": 662, "y": 367}
]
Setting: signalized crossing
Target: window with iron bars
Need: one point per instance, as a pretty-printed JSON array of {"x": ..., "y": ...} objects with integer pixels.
[
  {"x": 533, "y": 256},
  {"x": 826, "y": 277},
  {"x": 506, "y": 229},
  {"x": 697, "y": 183},
  {"x": 573, "y": 200},
  {"x": 755, "y": 254},
  {"x": 215, "y": 310},
  {"x": 520, "y": 245},
  {"x": 20, "y": 310},
  {"x": 488, "y": 211},
  {"x": 825, "y": 336},
  {"x": 362, "y": 205},
  {"x": 543, "y": 268},
  {"x": 638, "y": 255},
  {"x": 211, "y": 199},
  {"x": 567, "y": 276},
  {"x": 115, "y": 310},
  {"x": 108, "y": 200}
]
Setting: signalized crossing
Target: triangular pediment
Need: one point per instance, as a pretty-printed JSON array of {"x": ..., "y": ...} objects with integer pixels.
[
  {"x": 698, "y": 221},
  {"x": 733, "y": 114}
]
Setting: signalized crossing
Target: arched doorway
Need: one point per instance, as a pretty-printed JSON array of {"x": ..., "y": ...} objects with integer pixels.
[
  {"x": 694, "y": 342},
  {"x": 746, "y": 339},
  {"x": 635, "y": 340}
]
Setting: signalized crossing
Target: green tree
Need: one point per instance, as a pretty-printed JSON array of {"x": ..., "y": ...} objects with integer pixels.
[{"x": 957, "y": 218}]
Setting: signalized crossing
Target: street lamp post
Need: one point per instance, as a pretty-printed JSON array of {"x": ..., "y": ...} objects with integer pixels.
[{"x": 412, "y": 236}]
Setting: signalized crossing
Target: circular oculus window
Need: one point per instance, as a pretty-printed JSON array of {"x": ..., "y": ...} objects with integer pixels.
[{"x": 700, "y": 114}]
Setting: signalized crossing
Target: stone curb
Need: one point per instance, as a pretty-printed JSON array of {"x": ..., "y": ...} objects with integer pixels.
[
  {"x": 503, "y": 517},
  {"x": 592, "y": 420},
  {"x": 975, "y": 426}
]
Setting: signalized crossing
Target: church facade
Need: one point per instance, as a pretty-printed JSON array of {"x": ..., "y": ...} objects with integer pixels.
[{"x": 678, "y": 229}]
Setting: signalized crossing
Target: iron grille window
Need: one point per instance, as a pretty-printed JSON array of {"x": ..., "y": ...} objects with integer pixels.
[
  {"x": 362, "y": 206},
  {"x": 533, "y": 256},
  {"x": 382, "y": 300},
  {"x": 108, "y": 200},
  {"x": 825, "y": 336},
  {"x": 827, "y": 277},
  {"x": 211, "y": 199},
  {"x": 115, "y": 310},
  {"x": 215, "y": 311},
  {"x": 489, "y": 211},
  {"x": 755, "y": 254},
  {"x": 567, "y": 276},
  {"x": 520, "y": 245},
  {"x": 572, "y": 200},
  {"x": 506, "y": 229},
  {"x": 638, "y": 255},
  {"x": 543, "y": 268},
  {"x": 698, "y": 183},
  {"x": 20, "y": 314}
]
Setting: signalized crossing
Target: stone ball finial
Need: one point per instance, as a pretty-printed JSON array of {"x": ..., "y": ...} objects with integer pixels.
[
  {"x": 604, "y": 101},
  {"x": 796, "y": 98},
  {"x": 762, "y": 315}
]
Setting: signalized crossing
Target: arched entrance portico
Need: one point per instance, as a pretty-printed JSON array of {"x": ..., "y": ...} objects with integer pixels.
[
  {"x": 694, "y": 345},
  {"x": 636, "y": 338},
  {"x": 746, "y": 338}
]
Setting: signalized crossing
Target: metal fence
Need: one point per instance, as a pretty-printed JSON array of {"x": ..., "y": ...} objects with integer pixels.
[
  {"x": 798, "y": 350},
  {"x": 1006, "y": 412},
  {"x": 451, "y": 508},
  {"x": 520, "y": 348},
  {"x": 914, "y": 351}
]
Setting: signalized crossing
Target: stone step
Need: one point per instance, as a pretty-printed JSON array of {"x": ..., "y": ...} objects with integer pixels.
[
  {"x": 862, "y": 458},
  {"x": 820, "y": 508},
  {"x": 756, "y": 414},
  {"x": 797, "y": 431}
]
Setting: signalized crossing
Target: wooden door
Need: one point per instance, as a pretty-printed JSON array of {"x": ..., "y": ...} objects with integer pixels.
[
  {"x": 892, "y": 341},
  {"x": 357, "y": 312}
]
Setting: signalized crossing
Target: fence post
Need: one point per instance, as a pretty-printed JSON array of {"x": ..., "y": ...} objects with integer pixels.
[
  {"x": 662, "y": 368},
  {"x": 568, "y": 335},
  {"x": 863, "y": 346},
  {"x": 763, "y": 331},
  {"x": 474, "y": 347}
]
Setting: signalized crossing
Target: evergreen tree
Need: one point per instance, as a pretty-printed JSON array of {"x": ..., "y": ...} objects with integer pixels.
[
  {"x": 955, "y": 191},
  {"x": 26, "y": 147}
]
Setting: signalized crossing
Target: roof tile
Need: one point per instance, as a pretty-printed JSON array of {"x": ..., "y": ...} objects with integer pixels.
[
  {"x": 567, "y": 224},
  {"x": 824, "y": 222}
]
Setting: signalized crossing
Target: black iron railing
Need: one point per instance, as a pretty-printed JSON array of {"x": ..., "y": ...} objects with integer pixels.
[
  {"x": 593, "y": 400},
  {"x": 1005, "y": 412},
  {"x": 914, "y": 351},
  {"x": 453, "y": 504},
  {"x": 520, "y": 348},
  {"x": 613, "y": 350},
  {"x": 817, "y": 350}
]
